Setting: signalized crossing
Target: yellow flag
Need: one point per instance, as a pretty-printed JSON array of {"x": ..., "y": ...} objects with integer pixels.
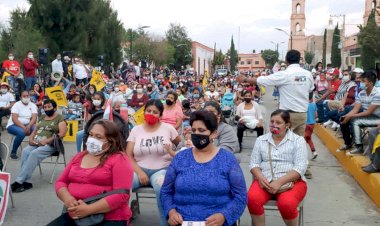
[
  {"x": 56, "y": 93},
  {"x": 5, "y": 77},
  {"x": 97, "y": 80},
  {"x": 139, "y": 116},
  {"x": 376, "y": 144}
]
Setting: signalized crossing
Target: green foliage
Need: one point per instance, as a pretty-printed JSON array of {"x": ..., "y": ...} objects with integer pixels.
[
  {"x": 309, "y": 56},
  {"x": 270, "y": 57},
  {"x": 87, "y": 27},
  {"x": 336, "y": 57},
  {"x": 21, "y": 36},
  {"x": 369, "y": 40},
  {"x": 233, "y": 55},
  {"x": 218, "y": 59},
  {"x": 177, "y": 37},
  {"x": 324, "y": 53}
]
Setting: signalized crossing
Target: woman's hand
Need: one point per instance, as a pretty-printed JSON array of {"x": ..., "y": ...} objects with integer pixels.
[
  {"x": 143, "y": 178},
  {"x": 175, "y": 218},
  {"x": 264, "y": 183},
  {"x": 72, "y": 202},
  {"x": 216, "y": 219},
  {"x": 79, "y": 211},
  {"x": 274, "y": 187}
]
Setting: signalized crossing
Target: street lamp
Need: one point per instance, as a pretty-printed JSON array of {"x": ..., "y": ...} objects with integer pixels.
[
  {"x": 276, "y": 44},
  {"x": 131, "y": 40},
  {"x": 290, "y": 35}
]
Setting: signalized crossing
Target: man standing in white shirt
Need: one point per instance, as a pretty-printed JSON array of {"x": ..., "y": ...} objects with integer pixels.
[
  {"x": 56, "y": 65},
  {"x": 80, "y": 71}
]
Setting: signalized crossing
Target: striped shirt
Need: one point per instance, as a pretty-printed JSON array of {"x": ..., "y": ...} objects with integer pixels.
[
  {"x": 289, "y": 154},
  {"x": 371, "y": 99}
]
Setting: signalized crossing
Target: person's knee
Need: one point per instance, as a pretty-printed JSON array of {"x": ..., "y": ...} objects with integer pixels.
[
  {"x": 158, "y": 181},
  {"x": 288, "y": 208}
]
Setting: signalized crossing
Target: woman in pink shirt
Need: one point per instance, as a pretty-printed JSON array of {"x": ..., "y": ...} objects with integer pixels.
[
  {"x": 172, "y": 114},
  {"x": 103, "y": 167},
  {"x": 149, "y": 149}
]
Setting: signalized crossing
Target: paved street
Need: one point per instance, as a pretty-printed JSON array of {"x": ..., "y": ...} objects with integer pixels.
[{"x": 334, "y": 198}]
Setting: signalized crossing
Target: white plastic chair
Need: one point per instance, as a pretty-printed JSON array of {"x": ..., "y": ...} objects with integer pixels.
[{"x": 272, "y": 205}]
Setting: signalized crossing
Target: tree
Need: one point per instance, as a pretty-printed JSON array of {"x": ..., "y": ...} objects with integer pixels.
[
  {"x": 218, "y": 59},
  {"x": 21, "y": 36},
  {"x": 88, "y": 27},
  {"x": 324, "y": 53},
  {"x": 336, "y": 57},
  {"x": 309, "y": 56},
  {"x": 369, "y": 40},
  {"x": 270, "y": 57},
  {"x": 233, "y": 55},
  {"x": 177, "y": 37}
]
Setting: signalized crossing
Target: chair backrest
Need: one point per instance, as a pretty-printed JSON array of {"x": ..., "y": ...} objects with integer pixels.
[{"x": 4, "y": 155}]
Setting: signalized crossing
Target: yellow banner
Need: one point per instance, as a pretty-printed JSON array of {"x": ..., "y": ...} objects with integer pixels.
[
  {"x": 56, "y": 93},
  {"x": 5, "y": 76},
  {"x": 376, "y": 144},
  {"x": 72, "y": 130},
  {"x": 139, "y": 116},
  {"x": 97, "y": 80}
]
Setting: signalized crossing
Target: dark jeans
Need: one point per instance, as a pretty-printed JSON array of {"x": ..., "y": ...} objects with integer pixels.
[
  {"x": 79, "y": 81},
  {"x": 352, "y": 130},
  {"x": 4, "y": 112},
  {"x": 66, "y": 220},
  {"x": 321, "y": 111},
  {"x": 241, "y": 128},
  {"x": 335, "y": 115}
]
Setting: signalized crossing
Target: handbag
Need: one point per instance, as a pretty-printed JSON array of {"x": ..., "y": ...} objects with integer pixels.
[
  {"x": 98, "y": 218},
  {"x": 284, "y": 187}
]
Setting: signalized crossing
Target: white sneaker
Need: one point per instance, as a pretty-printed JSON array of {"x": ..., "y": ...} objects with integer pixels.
[
  {"x": 315, "y": 155},
  {"x": 328, "y": 123},
  {"x": 335, "y": 126}
]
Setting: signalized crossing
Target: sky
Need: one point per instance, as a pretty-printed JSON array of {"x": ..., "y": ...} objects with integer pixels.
[{"x": 211, "y": 21}]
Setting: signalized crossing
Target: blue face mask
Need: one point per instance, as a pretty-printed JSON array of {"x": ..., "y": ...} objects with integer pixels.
[
  {"x": 377, "y": 84},
  {"x": 196, "y": 96},
  {"x": 362, "y": 86}
]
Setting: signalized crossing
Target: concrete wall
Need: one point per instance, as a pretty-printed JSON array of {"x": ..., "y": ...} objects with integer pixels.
[{"x": 202, "y": 57}]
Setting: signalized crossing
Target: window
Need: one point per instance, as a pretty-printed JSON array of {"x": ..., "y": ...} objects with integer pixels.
[
  {"x": 248, "y": 62},
  {"x": 298, "y": 28},
  {"x": 257, "y": 62},
  {"x": 298, "y": 8},
  {"x": 374, "y": 4},
  {"x": 241, "y": 62}
]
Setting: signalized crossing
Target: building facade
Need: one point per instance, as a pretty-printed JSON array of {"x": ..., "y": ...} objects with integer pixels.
[
  {"x": 297, "y": 39},
  {"x": 250, "y": 62},
  {"x": 202, "y": 58},
  {"x": 369, "y": 6}
]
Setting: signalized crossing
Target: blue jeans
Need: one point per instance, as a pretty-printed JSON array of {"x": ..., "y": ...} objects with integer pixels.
[
  {"x": 30, "y": 81},
  {"x": 30, "y": 158},
  {"x": 156, "y": 179},
  {"x": 79, "y": 140},
  {"x": 19, "y": 134},
  {"x": 71, "y": 116},
  {"x": 321, "y": 112},
  {"x": 11, "y": 81}
]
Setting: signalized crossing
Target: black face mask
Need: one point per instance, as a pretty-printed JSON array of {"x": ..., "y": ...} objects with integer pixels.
[
  {"x": 247, "y": 100},
  {"x": 118, "y": 111},
  {"x": 169, "y": 102},
  {"x": 149, "y": 89},
  {"x": 50, "y": 112},
  {"x": 161, "y": 89},
  {"x": 200, "y": 141}
]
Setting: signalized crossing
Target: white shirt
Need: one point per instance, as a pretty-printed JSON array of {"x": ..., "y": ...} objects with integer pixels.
[
  {"x": 6, "y": 99},
  {"x": 118, "y": 97},
  {"x": 254, "y": 112},
  {"x": 79, "y": 71},
  {"x": 289, "y": 154},
  {"x": 294, "y": 85},
  {"x": 56, "y": 66},
  {"x": 137, "y": 69},
  {"x": 24, "y": 112},
  {"x": 212, "y": 95}
]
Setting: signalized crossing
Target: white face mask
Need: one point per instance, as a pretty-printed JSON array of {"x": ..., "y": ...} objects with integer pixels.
[
  {"x": 346, "y": 78},
  {"x": 11, "y": 57},
  {"x": 139, "y": 90},
  {"x": 117, "y": 89},
  {"x": 4, "y": 91},
  {"x": 25, "y": 100},
  {"x": 94, "y": 146},
  {"x": 239, "y": 89},
  {"x": 97, "y": 103},
  {"x": 30, "y": 56}
]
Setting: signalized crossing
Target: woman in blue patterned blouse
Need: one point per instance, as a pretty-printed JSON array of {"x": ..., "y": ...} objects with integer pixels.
[{"x": 204, "y": 183}]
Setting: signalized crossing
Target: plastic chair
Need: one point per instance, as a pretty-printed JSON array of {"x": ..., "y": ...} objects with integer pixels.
[
  {"x": 4, "y": 154},
  {"x": 147, "y": 192},
  {"x": 272, "y": 205}
]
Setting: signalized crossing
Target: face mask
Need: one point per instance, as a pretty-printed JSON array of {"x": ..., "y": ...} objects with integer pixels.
[
  {"x": 151, "y": 119},
  {"x": 150, "y": 89},
  {"x": 50, "y": 113},
  {"x": 282, "y": 69},
  {"x": 96, "y": 103},
  {"x": 161, "y": 89},
  {"x": 11, "y": 57},
  {"x": 139, "y": 90},
  {"x": 247, "y": 100},
  {"x": 362, "y": 86},
  {"x": 377, "y": 84},
  {"x": 92, "y": 91},
  {"x": 59, "y": 58},
  {"x": 4, "y": 91},
  {"x": 169, "y": 102},
  {"x": 94, "y": 146},
  {"x": 117, "y": 89},
  {"x": 239, "y": 89},
  {"x": 196, "y": 96},
  {"x": 346, "y": 78},
  {"x": 25, "y": 100},
  {"x": 181, "y": 84},
  {"x": 121, "y": 84},
  {"x": 30, "y": 56},
  {"x": 200, "y": 141},
  {"x": 319, "y": 68},
  {"x": 274, "y": 130}
]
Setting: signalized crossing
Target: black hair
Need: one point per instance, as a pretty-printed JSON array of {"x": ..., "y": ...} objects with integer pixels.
[
  {"x": 217, "y": 107},
  {"x": 328, "y": 65},
  {"x": 172, "y": 93},
  {"x": 370, "y": 75},
  {"x": 285, "y": 115},
  {"x": 208, "y": 118},
  {"x": 50, "y": 101},
  {"x": 293, "y": 56},
  {"x": 245, "y": 92},
  {"x": 186, "y": 104},
  {"x": 93, "y": 86},
  {"x": 317, "y": 65},
  {"x": 157, "y": 103},
  {"x": 212, "y": 84}
]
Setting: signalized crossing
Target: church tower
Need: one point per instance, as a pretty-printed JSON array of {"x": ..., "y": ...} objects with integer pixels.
[
  {"x": 297, "y": 39},
  {"x": 369, "y": 6}
]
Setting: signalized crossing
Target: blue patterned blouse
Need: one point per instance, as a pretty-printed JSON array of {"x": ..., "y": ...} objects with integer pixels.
[{"x": 199, "y": 190}]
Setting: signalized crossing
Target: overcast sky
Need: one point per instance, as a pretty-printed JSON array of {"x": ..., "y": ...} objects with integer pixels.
[{"x": 209, "y": 21}]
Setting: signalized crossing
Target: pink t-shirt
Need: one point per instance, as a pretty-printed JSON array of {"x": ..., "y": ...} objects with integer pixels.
[
  {"x": 148, "y": 150},
  {"x": 171, "y": 116}
]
